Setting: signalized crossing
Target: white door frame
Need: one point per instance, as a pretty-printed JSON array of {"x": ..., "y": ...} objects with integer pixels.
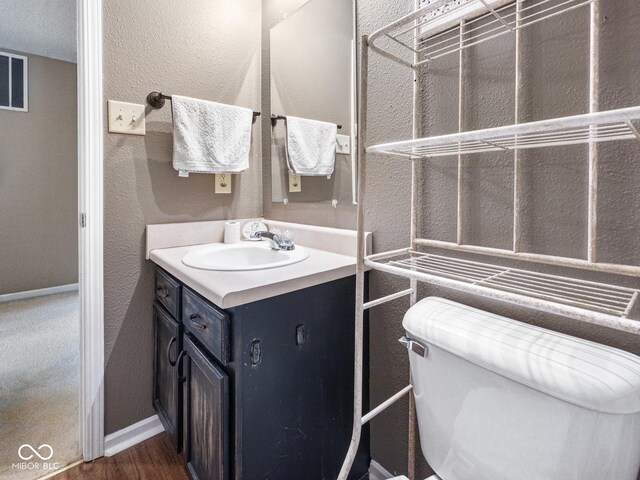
[{"x": 90, "y": 236}]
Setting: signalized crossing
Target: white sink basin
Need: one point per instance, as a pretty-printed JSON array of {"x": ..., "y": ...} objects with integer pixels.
[{"x": 242, "y": 256}]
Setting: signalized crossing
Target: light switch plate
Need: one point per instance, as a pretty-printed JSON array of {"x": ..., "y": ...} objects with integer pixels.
[
  {"x": 128, "y": 118},
  {"x": 343, "y": 144},
  {"x": 295, "y": 182},
  {"x": 223, "y": 183}
]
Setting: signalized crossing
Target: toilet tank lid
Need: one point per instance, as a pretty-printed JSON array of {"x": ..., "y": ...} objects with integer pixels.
[{"x": 584, "y": 373}]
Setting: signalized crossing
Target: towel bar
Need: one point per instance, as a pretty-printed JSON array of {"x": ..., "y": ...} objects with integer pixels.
[
  {"x": 275, "y": 118},
  {"x": 157, "y": 99}
]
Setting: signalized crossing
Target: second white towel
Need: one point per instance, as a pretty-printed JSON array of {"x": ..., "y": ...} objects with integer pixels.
[
  {"x": 311, "y": 146},
  {"x": 210, "y": 137}
]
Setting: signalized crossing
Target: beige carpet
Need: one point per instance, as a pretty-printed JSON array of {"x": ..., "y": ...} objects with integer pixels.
[{"x": 39, "y": 375}]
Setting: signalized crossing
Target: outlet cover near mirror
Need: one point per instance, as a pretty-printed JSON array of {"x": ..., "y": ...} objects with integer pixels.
[
  {"x": 223, "y": 183},
  {"x": 343, "y": 144},
  {"x": 127, "y": 118},
  {"x": 295, "y": 182}
]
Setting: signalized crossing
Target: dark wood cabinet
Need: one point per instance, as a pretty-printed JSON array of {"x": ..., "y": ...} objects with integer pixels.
[
  {"x": 206, "y": 425},
  {"x": 266, "y": 388},
  {"x": 167, "y": 392},
  {"x": 207, "y": 323},
  {"x": 168, "y": 292}
]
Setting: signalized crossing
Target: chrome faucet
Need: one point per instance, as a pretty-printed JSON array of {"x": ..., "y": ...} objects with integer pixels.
[{"x": 277, "y": 240}]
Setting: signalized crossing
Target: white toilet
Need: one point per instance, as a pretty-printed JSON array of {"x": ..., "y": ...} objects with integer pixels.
[{"x": 497, "y": 399}]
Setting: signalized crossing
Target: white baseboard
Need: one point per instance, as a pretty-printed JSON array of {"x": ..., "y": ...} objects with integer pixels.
[
  {"x": 132, "y": 435},
  {"x": 10, "y": 297}
]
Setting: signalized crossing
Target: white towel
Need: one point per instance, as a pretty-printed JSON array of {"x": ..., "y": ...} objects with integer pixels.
[
  {"x": 311, "y": 146},
  {"x": 210, "y": 137}
]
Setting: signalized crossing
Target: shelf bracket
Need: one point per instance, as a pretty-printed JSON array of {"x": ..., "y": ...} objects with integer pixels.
[
  {"x": 495, "y": 145},
  {"x": 633, "y": 129},
  {"x": 497, "y": 15},
  {"x": 388, "y": 298},
  {"x": 386, "y": 404}
]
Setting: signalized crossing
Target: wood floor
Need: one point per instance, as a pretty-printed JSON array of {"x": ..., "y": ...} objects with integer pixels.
[{"x": 153, "y": 459}]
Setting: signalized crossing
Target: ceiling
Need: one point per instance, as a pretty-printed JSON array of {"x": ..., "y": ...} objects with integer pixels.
[{"x": 39, "y": 27}]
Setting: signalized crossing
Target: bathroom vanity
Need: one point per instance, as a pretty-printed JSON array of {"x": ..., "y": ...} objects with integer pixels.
[{"x": 262, "y": 389}]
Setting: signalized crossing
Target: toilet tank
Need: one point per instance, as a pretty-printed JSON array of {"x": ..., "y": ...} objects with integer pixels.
[{"x": 498, "y": 399}]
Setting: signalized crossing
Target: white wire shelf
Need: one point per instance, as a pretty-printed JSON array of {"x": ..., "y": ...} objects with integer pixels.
[
  {"x": 589, "y": 128},
  {"x": 598, "y": 303},
  {"x": 434, "y": 30}
]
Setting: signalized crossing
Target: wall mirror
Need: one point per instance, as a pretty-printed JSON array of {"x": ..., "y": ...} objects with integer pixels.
[{"x": 313, "y": 75}]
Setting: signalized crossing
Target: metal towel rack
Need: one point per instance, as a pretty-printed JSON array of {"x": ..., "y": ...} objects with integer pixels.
[
  {"x": 157, "y": 100},
  {"x": 275, "y": 118},
  {"x": 437, "y": 28}
]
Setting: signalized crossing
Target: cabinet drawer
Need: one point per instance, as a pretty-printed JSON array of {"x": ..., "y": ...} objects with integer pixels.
[
  {"x": 168, "y": 293},
  {"x": 208, "y": 324}
]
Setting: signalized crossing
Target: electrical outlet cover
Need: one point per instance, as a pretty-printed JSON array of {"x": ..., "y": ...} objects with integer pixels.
[
  {"x": 343, "y": 144},
  {"x": 223, "y": 183},
  {"x": 295, "y": 182}
]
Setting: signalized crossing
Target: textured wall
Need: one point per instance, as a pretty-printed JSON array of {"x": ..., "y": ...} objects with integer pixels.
[
  {"x": 387, "y": 215},
  {"x": 40, "y": 27},
  {"x": 39, "y": 182},
  {"x": 202, "y": 48},
  {"x": 316, "y": 213},
  {"x": 554, "y": 180}
]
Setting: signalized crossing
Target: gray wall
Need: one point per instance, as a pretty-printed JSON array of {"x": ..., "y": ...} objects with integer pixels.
[
  {"x": 202, "y": 48},
  {"x": 38, "y": 182},
  {"x": 387, "y": 208}
]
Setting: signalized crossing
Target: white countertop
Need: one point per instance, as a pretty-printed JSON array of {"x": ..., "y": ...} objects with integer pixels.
[{"x": 230, "y": 289}]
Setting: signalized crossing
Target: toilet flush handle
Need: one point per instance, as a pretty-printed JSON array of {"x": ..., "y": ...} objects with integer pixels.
[{"x": 415, "y": 347}]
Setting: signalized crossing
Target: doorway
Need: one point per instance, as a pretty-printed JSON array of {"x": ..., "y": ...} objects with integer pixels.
[
  {"x": 51, "y": 327},
  {"x": 39, "y": 274}
]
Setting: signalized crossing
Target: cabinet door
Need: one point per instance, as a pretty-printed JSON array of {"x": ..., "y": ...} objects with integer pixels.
[
  {"x": 293, "y": 385},
  {"x": 167, "y": 394},
  {"x": 206, "y": 397}
]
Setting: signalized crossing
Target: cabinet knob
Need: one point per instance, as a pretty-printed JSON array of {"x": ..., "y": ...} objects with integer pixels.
[
  {"x": 256, "y": 353},
  {"x": 162, "y": 291},
  {"x": 300, "y": 338}
]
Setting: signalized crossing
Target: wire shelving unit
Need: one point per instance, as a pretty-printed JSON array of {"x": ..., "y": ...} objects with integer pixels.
[
  {"x": 590, "y": 128},
  {"x": 594, "y": 302},
  {"x": 439, "y": 28},
  {"x": 430, "y": 32}
]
